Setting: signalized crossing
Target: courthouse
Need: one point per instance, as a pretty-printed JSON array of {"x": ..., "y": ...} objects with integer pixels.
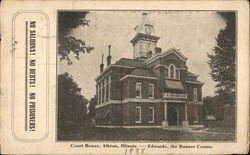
[{"x": 152, "y": 89}]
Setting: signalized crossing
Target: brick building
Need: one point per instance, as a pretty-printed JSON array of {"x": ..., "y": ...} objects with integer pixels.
[{"x": 154, "y": 89}]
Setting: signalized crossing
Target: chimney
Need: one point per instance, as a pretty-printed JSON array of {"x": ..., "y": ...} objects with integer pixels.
[
  {"x": 102, "y": 65},
  {"x": 149, "y": 54},
  {"x": 157, "y": 50},
  {"x": 109, "y": 57}
]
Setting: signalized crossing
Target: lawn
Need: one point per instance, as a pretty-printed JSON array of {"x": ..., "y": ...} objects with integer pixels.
[{"x": 140, "y": 134}]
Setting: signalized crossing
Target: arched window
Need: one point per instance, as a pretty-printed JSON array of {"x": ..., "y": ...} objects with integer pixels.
[{"x": 172, "y": 71}]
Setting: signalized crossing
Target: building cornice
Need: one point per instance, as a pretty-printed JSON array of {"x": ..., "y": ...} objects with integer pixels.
[
  {"x": 174, "y": 101},
  {"x": 136, "y": 76},
  {"x": 138, "y": 100},
  {"x": 192, "y": 82},
  {"x": 141, "y": 100},
  {"x": 127, "y": 126},
  {"x": 146, "y": 100},
  {"x": 165, "y": 66},
  {"x": 195, "y": 102},
  {"x": 142, "y": 36},
  {"x": 108, "y": 103}
]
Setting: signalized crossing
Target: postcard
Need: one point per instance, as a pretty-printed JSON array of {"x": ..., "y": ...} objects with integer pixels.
[{"x": 124, "y": 77}]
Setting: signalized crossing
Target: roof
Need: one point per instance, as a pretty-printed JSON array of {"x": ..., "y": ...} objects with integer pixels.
[
  {"x": 191, "y": 77},
  {"x": 193, "y": 80},
  {"x": 142, "y": 72},
  {"x": 191, "y": 74},
  {"x": 129, "y": 62},
  {"x": 173, "y": 85},
  {"x": 124, "y": 62}
]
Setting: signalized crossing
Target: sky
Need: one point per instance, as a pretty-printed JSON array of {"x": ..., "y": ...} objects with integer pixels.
[{"x": 193, "y": 32}]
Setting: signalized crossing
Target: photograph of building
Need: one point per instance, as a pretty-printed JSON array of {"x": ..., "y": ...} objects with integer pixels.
[
  {"x": 152, "y": 89},
  {"x": 146, "y": 75}
]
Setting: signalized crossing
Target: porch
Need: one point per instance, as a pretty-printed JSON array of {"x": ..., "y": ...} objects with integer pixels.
[{"x": 174, "y": 103}]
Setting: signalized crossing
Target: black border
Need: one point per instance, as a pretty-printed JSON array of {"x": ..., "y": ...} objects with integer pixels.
[{"x": 140, "y": 141}]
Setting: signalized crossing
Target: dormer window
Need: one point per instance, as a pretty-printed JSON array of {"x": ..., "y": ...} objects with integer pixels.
[{"x": 172, "y": 72}]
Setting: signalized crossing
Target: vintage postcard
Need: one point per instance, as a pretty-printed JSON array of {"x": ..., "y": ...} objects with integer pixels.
[{"x": 124, "y": 77}]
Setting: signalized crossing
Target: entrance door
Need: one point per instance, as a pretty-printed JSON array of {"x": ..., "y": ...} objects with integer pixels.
[{"x": 172, "y": 116}]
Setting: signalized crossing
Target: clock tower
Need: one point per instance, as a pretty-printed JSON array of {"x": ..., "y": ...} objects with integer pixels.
[{"x": 145, "y": 41}]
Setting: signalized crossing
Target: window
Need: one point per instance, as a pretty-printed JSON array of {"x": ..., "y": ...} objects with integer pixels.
[
  {"x": 100, "y": 92},
  {"x": 195, "y": 94},
  {"x": 151, "y": 90},
  {"x": 171, "y": 68},
  {"x": 137, "y": 114},
  {"x": 102, "y": 100},
  {"x": 138, "y": 90},
  {"x": 104, "y": 90},
  {"x": 107, "y": 90},
  {"x": 151, "y": 115},
  {"x": 97, "y": 92},
  {"x": 109, "y": 87},
  {"x": 173, "y": 72}
]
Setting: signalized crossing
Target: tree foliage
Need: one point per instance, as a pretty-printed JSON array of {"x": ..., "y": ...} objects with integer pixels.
[
  {"x": 217, "y": 106},
  {"x": 72, "y": 110},
  {"x": 91, "y": 107},
  {"x": 69, "y": 44},
  {"x": 213, "y": 105},
  {"x": 222, "y": 61}
]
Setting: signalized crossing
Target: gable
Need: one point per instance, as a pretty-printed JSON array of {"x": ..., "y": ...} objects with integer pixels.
[
  {"x": 171, "y": 56},
  {"x": 172, "y": 59},
  {"x": 175, "y": 52},
  {"x": 168, "y": 53}
]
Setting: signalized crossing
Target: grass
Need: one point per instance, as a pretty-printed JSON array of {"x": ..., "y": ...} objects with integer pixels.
[
  {"x": 140, "y": 134},
  {"x": 218, "y": 129}
]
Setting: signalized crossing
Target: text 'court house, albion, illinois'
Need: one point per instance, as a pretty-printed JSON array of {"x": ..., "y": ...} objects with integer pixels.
[{"x": 154, "y": 89}]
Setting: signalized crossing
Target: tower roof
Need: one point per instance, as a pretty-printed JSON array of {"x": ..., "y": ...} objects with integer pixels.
[
  {"x": 145, "y": 19},
  {"x": 144, "y": 40},
  {"x": 144, "y": 23}
]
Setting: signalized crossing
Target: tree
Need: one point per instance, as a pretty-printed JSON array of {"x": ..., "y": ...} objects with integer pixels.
[
  {"x": 209, "y": 105},
  {"x": 72, "y": 110},
  {"x": 222, "y": 62},
  {"x": 69, "y": 44},
  {"x": 91, "y": 107},
  {"x": 213, "y": 106}
]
